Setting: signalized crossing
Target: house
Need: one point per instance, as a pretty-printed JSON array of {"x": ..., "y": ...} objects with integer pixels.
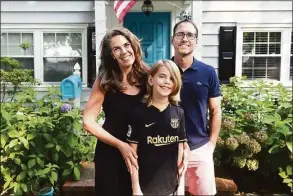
[{"x": 252, "y": 38}]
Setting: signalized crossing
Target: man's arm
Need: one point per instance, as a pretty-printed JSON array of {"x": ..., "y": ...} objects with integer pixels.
[
  {"x": 215, "y": 118},
  {"x": 134, "y": 176}
]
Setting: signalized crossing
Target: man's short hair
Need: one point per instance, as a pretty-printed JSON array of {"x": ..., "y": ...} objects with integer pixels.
[{"x": 186, "y": 20}]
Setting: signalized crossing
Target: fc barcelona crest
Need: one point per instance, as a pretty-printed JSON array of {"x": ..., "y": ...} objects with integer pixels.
[{"x": 174, "y": 123}]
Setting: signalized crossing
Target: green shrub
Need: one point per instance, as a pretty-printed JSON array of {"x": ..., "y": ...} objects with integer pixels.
[
  {"x": 42, "y": 142},
  {"x": 256, "y": 133}
]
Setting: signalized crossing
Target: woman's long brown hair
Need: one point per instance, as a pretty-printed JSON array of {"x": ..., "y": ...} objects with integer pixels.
[{"x": 110, "y": 75}]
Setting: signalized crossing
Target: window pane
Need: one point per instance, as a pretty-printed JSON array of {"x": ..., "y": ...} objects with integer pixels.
[
  {"x": 62, "y": 38},
  {"x": 261, "y": 37},
  {"x": 261, "y": 67},
  {"x": 76, "y": 38},
  {"x": 3, "y": 38},
  {"x": 248, "y": 37},
  {"x": 275, "y": 36},
  {"x": 56, "y": 69},
  {"x": 14, "y": 38},
  {"x": 14, "y": 50},
  {"x": 248, "y": 49},
  {"x": 3, "y": 49},
  {"x": 28, "y": 63},
  {"x": 275, "y": 49},
  {"x": 28, "y": 37},
  {"x": 67, "y": 44},
  {"x": 261, "y": 49}
]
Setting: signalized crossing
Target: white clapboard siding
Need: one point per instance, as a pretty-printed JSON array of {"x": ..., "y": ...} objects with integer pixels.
[
  {"x": 213, "y": 61},
  {"x": 210, "y": 40},
  {"x": 210, "y": 51},
  {"x": 47, "y": 6},
  {"x": 247, "y": 6},
  {"x": 45, "y": 12},
  {"x": 233, "y": 13},
  {"x": 248, "y": 17}
]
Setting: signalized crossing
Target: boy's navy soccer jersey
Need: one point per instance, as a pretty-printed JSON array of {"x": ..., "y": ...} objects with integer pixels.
[{"x": 158, "y": 134}]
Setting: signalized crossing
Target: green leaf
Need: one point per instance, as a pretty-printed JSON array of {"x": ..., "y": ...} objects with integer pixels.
[
  {"x": 66, "y": 172},
  {"x": 13, "y": 134},
  {"x": 274, "y": 149},
  {"x": 72, "y": 140},
  {"x": 24, "y": 142},
  {"x": 30, "y": 136},
  {"x": 287, "y": 181},
  {"x": 6, "y": 116},
  {"x": 76, "y": 173},
  {"x": 49, "y": 145},
  {"x": 23, "y": 167},
  {"x": 289, "y": 146},
  {"x": 51, "y": 180},
  {"x": 3, "y": 140},
  {"x": 54, "y": 176},
  {"x": 21, "y": 176},
  {"x": 77, "y": 125},
  {"x": 40, "y": 162},
  {"x": 23, "y": 187},
  {"x": 70, "y": 163},
  {"x": 31, "y": 163},
  {"x": 17, "y": 161},
  {"x": 58, "y": 148},
  {"x": 6, "y": 184},
  {"x": 13, "y": 143},
  {"x": 289, "y": 170},
  {"x": 283, "y": 174}
]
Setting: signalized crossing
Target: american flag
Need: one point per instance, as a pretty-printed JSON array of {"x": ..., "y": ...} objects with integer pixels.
[{"x": 121, "y": 7}]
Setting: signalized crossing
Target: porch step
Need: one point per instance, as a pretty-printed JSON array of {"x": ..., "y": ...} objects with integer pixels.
[{"x": 86, "y": 185}]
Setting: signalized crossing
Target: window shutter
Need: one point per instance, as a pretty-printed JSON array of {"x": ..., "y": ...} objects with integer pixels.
[
  {"x": 91, "y": 56},
  {"x": 227, "y": 49}
]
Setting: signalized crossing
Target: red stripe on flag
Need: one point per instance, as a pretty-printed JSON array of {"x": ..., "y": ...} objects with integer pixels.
[
  {"x": 118, "y": 5},
  {"x": 125, "y": 10}
]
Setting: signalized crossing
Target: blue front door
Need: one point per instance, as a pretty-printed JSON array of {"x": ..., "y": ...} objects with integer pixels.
[{"x": 154, "y": 32}]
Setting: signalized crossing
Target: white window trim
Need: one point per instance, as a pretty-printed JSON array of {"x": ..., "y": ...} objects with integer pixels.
[
  {"x": 285, "y": 48},
  {"x": 38, "y": 31}
]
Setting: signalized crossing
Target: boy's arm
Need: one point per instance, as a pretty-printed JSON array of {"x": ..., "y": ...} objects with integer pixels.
[{"x": 134, "y": 176}]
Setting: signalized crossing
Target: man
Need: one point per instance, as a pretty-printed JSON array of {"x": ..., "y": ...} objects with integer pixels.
[{"x": 200, "y": 96}]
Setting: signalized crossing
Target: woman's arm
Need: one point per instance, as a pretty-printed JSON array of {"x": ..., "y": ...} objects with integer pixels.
[
  {"x": 90, "y": 114},
  {"x": 134, "y": 176}
]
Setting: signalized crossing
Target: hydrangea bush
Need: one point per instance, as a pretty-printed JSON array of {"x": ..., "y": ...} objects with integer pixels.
[
  {"x": 256, "y": 133},
  {"x": 42, "y": 142}
]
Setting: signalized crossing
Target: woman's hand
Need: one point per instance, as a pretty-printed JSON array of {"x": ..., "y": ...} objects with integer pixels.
[{"x": 129, "y": 155}]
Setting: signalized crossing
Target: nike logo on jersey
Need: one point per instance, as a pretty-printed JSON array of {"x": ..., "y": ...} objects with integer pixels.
[{"x": 148, "y": 125}]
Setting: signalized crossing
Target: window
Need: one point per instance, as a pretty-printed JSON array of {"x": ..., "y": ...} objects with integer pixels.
[
  {"x": 61, "y": 52},
  {"x": 261, "y": 55},
  {"x": 53, "y": 52},
  {"x": 10, "y": 47}
]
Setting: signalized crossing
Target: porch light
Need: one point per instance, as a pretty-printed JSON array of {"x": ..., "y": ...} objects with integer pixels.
[{"x": 147, "y": 7}]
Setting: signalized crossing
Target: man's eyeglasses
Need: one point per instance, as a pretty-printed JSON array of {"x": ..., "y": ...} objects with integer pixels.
[{"x": 181, "y": 35}]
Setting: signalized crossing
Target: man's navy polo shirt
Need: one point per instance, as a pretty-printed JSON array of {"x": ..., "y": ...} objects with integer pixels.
[{"x": 199, "y": 83}]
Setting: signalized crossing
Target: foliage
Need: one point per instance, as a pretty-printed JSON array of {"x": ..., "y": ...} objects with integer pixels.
[
  {"x": 41, "y": 145},
  {"x": 13, "y": 78},
  {"x": 256, "y": 132},
  {"x": 25, "y": 45}
]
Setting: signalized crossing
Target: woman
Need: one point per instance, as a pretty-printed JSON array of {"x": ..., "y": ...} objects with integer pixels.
[{"x": 119, "y": 87}]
